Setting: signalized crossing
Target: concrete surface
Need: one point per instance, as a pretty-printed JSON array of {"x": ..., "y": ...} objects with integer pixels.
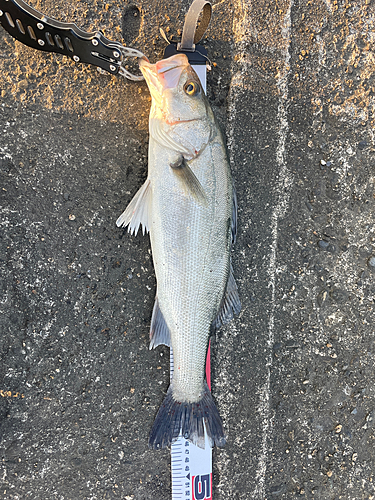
[{"x": 293, "y": 85}]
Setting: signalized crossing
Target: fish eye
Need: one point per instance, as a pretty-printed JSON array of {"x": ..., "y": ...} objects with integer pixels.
[{"x": 191, "y": 88}]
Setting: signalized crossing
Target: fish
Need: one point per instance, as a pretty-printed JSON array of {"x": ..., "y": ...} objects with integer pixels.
[{"x": 188, "y": 205}]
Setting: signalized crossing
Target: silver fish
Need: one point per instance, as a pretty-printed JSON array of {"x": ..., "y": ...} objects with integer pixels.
[{"x": 188, "y": 205}]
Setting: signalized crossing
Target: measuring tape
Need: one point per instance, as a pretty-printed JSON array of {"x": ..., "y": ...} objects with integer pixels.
[{"x": 191, "y": 466}]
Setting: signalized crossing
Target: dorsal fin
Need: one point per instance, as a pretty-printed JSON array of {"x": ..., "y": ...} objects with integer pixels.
[
  {"x": 159, "y": 331},
  {"x": 137, "y": 212}
]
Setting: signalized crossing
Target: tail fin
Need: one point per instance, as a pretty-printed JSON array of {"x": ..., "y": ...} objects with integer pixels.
[{"x": 175, "y": 416}]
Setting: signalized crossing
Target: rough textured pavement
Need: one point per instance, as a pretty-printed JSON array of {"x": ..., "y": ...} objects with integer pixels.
[{"x": 293, "y": 86}]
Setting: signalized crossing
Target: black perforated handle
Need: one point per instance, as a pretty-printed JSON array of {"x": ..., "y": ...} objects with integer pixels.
[{"x": 45, "y": 33}]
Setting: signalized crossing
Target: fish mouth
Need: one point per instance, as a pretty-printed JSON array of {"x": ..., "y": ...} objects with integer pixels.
[{"x": 165, "y": 74}]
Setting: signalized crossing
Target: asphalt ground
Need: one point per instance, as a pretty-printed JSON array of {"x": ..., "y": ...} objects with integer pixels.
[{"x": 292, "y": 84}]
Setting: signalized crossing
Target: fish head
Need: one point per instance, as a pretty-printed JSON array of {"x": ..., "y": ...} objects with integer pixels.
[{"x": 176, "y": 91}]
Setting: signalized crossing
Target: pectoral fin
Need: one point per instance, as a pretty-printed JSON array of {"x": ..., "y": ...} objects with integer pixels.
[
  {"x": 137, "y": 212},
  {"x": 189, "y": 181}
]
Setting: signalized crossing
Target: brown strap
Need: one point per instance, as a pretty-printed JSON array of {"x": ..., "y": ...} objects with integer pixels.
[{"x": 192, "y": 34}]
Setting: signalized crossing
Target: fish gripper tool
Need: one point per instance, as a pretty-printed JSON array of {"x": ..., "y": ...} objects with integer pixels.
[{"x": 30, "y": 27}]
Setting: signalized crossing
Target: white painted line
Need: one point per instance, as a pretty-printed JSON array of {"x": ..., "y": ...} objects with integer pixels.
[
  {"x": 282, "y": 191},
  {"x": 243, "y": 33}
]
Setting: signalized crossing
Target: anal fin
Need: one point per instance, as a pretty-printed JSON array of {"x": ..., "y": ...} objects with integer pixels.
[
  {"x": 230, "y": 305},
  {"x": 138, "y": 210}
]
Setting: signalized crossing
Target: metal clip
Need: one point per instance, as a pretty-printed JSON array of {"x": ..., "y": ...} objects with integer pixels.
[{"x": 129, "y": 52}]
